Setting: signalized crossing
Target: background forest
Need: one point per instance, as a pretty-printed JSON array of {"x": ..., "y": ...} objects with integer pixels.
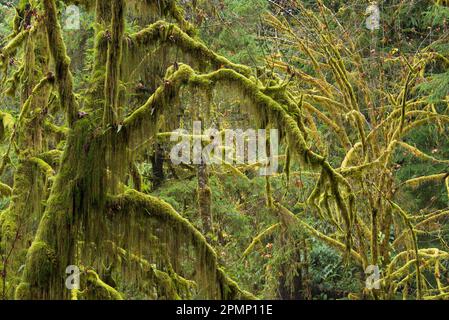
[{"x": 87, "y": 179}]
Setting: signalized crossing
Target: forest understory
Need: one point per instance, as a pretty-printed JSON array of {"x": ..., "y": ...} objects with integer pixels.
[{"x": 345, "y": 196}]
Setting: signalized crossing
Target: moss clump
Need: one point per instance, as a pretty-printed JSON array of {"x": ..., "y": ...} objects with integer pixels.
[
  {"x": 23, "y": 292},
  {"x": 98, "y": 289},
  {"x": 6, "y": 125},
  {"x": 5, "y": 190},
  {"x": 8, "y": 226},
  {"x": 40, "y": 269}
]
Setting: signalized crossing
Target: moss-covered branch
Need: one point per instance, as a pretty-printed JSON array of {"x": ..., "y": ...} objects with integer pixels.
[
  {"x": 100, "y": 289},
  {"x": 5, "y": 190},
  {"x": 146, "y": 207},
  {"x": 12, "y": 45},
  {"x": 165, "y": 33}
]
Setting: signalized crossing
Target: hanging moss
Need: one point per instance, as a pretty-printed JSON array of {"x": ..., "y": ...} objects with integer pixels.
[
  {"x": 114, "y": 58},
  {"x": 209, "y": 273},
  {"x": 87, "y": 4},
  {"x": 263, "y": 107},
  {"x": 149, "y": 11},
  {"x": 168, "y": 285},
  {"x": 55, "y": 132},
  {"x": 7, "y": 224},
  {"x": 96, "y": 159},
  {"x": 205, "y": 199},
  {"x": 416, "y": 182},
  {"x": 58, "y": 50},
  {"x": 13, "y": 82},
  {"x": 66, "y": 209}
]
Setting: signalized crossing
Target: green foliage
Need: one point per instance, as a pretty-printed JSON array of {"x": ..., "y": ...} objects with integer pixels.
[
  {"x": 6, "y": 17},
  {"x": 437, "y": 86},
  {"x": 436, "y": 16},
  {"x": 432, "y": 140},
  {"x": 331, "y": 276},
  {"x": 236, "y": 30}
]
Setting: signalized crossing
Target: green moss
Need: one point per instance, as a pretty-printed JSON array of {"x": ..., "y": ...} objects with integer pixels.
[
  {"x": 43, "y": 166},
  {"x": 164, "y": 33},
  {"x": 5, "y": 190},
  {"x": 52, "y": 157},
  {"x": 6, "y": 125},
  {"x": 59, "y": 132},
  {"x": 58, "y": 50},
  {"x": 8, "y": 226},
  {"x": 97, "y": 289},
  {"x": 43, "y": 266},
  {"x": 114, "y": 58},
  {"x": 264, "y": 108},
  {"x": 10, "y": 47},
  {"x": 23, "y": 292},
  {"x": 67, "y": 209}
]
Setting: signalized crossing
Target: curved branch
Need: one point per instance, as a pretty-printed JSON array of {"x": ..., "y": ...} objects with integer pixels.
[
  {"x": 9, "y": 49},
  {"x": 170, "y": 34},
  {"x": 259, "y": 238},
  {"x": 133, "y": 202},
  {"x": 101, "y": 289},
  {"x": 5, "y": 190}
]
